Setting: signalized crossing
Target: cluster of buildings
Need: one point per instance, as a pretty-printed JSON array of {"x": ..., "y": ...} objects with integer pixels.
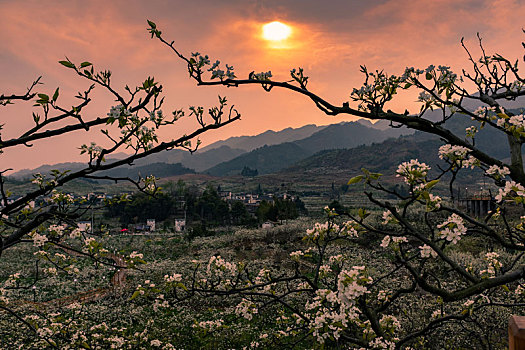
[{"x": 251, "y": 200}]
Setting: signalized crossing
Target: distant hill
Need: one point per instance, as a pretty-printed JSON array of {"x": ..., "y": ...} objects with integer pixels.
[
  {"x": 488, "y": 139},
  {"x": 200, "y": 160},
  {"x": 385, "y": 125},
  {"x": 381, "y": 157},
  {"x": 384, "y": 157},
  {"x": 267, "y": 159},
  {"x": 205, "y": 158},
  {"x": 46, "y": 169},
  {"x": 156, "y": 169},
  {"x": 259, "y": 152},
  {"x": 274, "y": 158},
  {"x": 345, "y": 135},
  {"x": 270, "y": 137}
]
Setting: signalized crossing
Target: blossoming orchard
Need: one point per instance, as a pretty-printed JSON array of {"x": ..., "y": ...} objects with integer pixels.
[{"x": 414, "y": 271}]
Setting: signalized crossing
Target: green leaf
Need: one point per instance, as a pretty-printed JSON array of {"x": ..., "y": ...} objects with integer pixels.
[
  {"x": 431, "y": 184},
  {"x": 43, "y": 97},
  {"x": 67, "y": 64},
  {"x": 85, "y": 64},
  {"x": 135, "y": 294},
  {"x": 355, "y": 179},
  {"x": 152, "y": 24},
  {"x": 375, "y": 176},
  {"x": 367, "y": 173},
  {"x": 362, "y": 213},
  {"x": 55, "y": 95},
  {"x": 428, "y": 76}
]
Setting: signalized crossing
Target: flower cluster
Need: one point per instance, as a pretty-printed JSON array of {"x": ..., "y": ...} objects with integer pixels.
[
  {"x": 377, "y": 92},
  {"x": 496, "y": 172},
  {"x": 221, "y": 74},
  {"x": 298, "y": 76},
  {"x": 516, "y": 86},
  {"x": 156, "y": 117},
  {"x": 38, "y": 239},
  {"x": 198, "y": 60},
  {"x": 388, "y": 217},
  {"x": 352, "y": 284},
  {"x": 493, "y": 264},
  {"x": 175, "y": 278},
  {"x": 350, "y": 229},
  {"x": 452, "y": 228},
  {"x": 296, "y": 255},
  {"x": 427, "y": 252},
  {"x": 412, "y": 171},
  {"x": 218, "y": 267},
  {"x": 446, "y": 76},
  {"x": 246, "y": 309},
  {"x": 329, "y": 317},
  {"x": 512, "y": 123},
  {"x": 209, "y": 326},
  {"x": 454, "y": 154},
  {"x": 396, "y": 240},
  {"x": 425, "y": 97},
  {"x": 62, "y": 198},
  {"x": 264, "y": 76},
  {"x": 115, "y": 112},
  {"x": 433, "y": 202},
  {"x": 319, "y": 231},
  {"x": 512, "y": 190},
  {"x": 92, "y": 150},
  {"x": 485, "y": 112},
  {"x": 471, "y": 131}
]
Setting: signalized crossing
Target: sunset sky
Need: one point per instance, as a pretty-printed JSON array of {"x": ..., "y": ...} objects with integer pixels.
[{"x": 330, "y": 39}]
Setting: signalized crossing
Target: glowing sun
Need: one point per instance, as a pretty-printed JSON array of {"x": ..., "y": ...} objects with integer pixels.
[{"x": 276, "y": 31}]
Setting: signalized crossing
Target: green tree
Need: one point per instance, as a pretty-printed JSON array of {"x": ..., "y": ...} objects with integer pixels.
[
  {"x": 142, "y": 207},
  {"x": 211, "y": 208},
  {"x": 239, "y": 214}
]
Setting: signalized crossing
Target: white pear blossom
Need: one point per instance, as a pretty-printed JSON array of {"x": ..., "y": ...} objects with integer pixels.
[
  {"x": 496, "y": 172},
  {"x": 452, "y": 229},
  {"x": 426, "y": 251},
  {"x": 412, "y": 171},
  {"x": 512, "y": 190}
]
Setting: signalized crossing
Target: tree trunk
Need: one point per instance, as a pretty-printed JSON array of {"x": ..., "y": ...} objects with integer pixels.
[{"x": 516, "y": 160}]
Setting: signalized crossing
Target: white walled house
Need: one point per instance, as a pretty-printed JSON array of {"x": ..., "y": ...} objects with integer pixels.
[
  {"x": 180, "y": 225},
  {"x": 151, "y": 224}
]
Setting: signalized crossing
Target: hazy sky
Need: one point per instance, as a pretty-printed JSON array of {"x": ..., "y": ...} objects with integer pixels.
[{"x": 330, "y": 40}]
